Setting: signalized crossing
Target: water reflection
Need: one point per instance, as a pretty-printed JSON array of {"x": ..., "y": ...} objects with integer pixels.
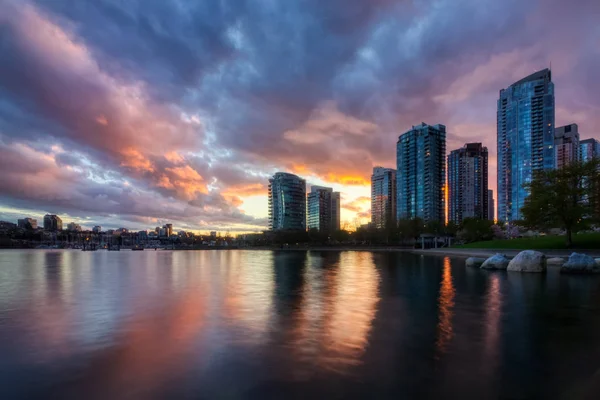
[
  {"x": 446, "y": 306},
  {"x": 262, "y": 324}
]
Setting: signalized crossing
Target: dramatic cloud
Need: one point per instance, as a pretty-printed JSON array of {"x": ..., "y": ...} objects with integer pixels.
[{"x": 146, "y": 111}]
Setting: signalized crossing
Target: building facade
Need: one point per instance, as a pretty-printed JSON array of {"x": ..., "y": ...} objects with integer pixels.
[
  {"x": 97, "y": 229},
  {"x": 468, "y": 183},
  {"x": 27, "y": 223},
  {"x": 52, "y": 222},
  {"x": 73, "y": 227},
  {"x": 383, "y": 197},
  {"x": 421, "y": 173},
  {"x": 322, "y": 214},
  {"x": 335, "y": 211},
  {"x": 589, "y": 149},
  {"x": 287, "y": 202},
  {"x": 566, "y": 145},
  {"x": 491, "y": 205},
  {"x": 525, "y": 124}
]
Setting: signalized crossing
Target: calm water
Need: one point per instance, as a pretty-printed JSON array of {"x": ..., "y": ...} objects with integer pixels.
[{"x": 261, "y": 324}]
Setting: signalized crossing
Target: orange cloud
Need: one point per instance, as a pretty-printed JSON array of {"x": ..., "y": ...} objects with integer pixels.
[
  {"x": 135, "y": 160},
  {"x": 252, "y": 189}
]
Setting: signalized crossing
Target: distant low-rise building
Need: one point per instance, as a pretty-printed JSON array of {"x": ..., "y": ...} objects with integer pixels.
[
  {"x": 73, "y": 227},
  {"x": 27, "y": 223}
]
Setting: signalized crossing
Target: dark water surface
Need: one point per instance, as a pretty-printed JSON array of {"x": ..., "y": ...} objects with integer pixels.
[{"x": 262, "y": 324}]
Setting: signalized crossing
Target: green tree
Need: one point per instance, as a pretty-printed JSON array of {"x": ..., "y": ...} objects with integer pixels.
[
  {"x": 410, "y": 228},
  {"x": 562, "y": 198},
  {"x": 475, "y": 229}
]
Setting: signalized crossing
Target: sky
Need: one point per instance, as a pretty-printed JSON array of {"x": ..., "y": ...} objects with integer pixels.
[{"x": 146, "y": 112}]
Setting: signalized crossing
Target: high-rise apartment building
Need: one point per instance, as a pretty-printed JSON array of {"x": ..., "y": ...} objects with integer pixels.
[
  {"x": 491, "y": 204},
  {"x": 52, "y": 222},
  {"x": 323, "y": 209},
  {"x": 468, "y": 183},
  {"x": 566, "y": 145},
  {"x": 421, "y": 173},
  {"x": 335, "y": 211},
  {"x": 525, "y": 122},
  {"x": 97, "y": 229},
  {"x": 287, "y": 202},
  {"x": 383, "y": 197},
  {"x": 589, "y": 149}
]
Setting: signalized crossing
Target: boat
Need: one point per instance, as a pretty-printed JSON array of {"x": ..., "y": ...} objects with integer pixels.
[{"x": 137, "y": 248}]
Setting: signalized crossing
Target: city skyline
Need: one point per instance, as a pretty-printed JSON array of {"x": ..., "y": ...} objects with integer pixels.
[{"x": 163, "y": 123}]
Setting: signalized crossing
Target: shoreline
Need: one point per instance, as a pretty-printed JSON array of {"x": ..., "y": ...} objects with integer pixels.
[{"x": 440, "y": 252}]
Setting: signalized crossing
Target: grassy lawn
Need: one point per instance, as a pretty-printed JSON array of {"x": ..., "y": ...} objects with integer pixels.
[{"x": 582, "y": 241}]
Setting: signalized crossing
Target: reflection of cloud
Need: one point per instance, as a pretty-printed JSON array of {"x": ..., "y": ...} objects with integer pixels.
[
  {"x": 445, "y": 308},
  {"x": 337, "y": 309}
]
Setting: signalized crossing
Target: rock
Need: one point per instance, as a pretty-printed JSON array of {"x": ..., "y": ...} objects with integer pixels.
[
  {"x": 555, "y": 261},
  {"x": 580, "y": 264},
  {"x": 497, "y": 261},
  {"x": 528, "y": 261},
  {"x": 474, "y": 262}
]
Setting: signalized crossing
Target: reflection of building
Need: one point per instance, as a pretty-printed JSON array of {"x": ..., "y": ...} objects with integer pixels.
[
  {"x": 491, "y": 203},
  {"x": 287, "y": 202},
  {"x": 468, "y": 183},
  {"x": 323, "y": 209},
  {"x": 566, "y": 145},
  {"x": 421, "y": 173},
  {"x": 383, "y": 197},
  {"x": 52, "y": 222},
  {"x": 589, "y": 149},
  {"x": 27, "y": 223},
  {"x": 525, "y": 139}
]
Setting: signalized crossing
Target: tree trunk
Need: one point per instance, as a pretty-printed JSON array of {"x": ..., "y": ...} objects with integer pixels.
[{"x": 569, "y": 238}]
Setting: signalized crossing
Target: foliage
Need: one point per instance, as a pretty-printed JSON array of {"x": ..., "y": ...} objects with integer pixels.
[
  {"x": 474, "y": 229},
  {"x": 562, "y": 198}
]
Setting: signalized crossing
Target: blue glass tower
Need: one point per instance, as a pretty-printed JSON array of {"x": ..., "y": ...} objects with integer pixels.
[
  {"x": 287, "y": 202},
  {"x": 383, "y": 197},
  {"x": 589, "y": 149},
  {"x": 421, "y": 173},
  {"x": 525, "y": 139}
]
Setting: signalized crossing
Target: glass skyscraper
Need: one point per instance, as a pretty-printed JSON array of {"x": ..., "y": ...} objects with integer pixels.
[
  {"x": 287, "y": 202},
  {"x": 468, "y": 183},
  {"x": 383, "y": 197},
  {"x": 421, "y": 173},
  {"x": 589, "y": 149},
  {"x": 323, "y": 209},
  {"x": 525, "y": 139}
]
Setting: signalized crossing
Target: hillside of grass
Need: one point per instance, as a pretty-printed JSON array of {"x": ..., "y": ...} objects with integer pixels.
[{"x": 581, "y": 241}]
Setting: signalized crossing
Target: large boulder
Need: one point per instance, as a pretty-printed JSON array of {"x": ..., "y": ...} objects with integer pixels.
[
  {"x": 580, "y": 264},
  {"x": 528, "y": 261},
  {"x": 555, "y": 261},
  {"x": 497, "y": 261},
  {"x": 474, "y": 262}
]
